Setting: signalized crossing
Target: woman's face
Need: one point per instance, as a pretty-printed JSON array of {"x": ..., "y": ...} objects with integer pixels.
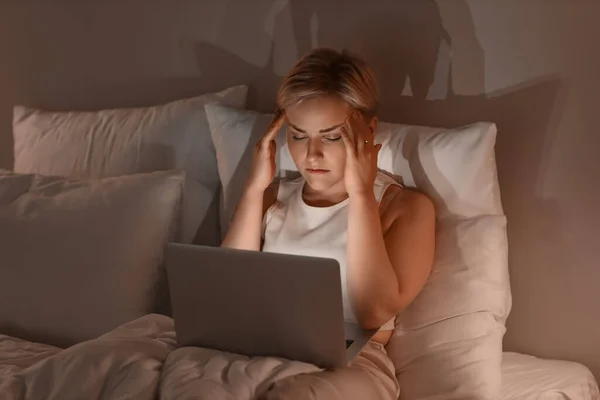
[{"x": 315, "y": 141}]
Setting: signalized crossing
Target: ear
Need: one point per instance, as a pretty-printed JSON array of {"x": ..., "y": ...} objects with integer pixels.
[{"x": 373, "y": 125}]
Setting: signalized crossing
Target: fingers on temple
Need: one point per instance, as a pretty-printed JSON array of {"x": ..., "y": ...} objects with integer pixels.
[
  {"x": 348, "y": 139},
  {"x": 274, "y": 127}
]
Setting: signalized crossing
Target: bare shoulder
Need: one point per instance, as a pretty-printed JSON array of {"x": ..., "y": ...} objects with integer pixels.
[
  {"x": 406, "y": 205},
  {"x": 411, "y": 201}
]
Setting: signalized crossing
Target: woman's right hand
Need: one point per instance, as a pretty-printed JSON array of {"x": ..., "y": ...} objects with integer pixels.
[{"x": 263, "y": 163}]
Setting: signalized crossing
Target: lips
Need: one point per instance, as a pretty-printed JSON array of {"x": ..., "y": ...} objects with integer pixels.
[{"x": 317, "y": 170}]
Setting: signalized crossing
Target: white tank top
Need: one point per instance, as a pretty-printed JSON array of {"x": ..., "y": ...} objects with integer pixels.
[{"x": 291, "y": 226}]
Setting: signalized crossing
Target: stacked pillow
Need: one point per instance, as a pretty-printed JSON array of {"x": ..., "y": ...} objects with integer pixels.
[
  {"x": 81, "y": 257},
  {"x": 98, "y": 144},
  {"x": 85, "y": 215},
  {"x": 448, "y": 342}
]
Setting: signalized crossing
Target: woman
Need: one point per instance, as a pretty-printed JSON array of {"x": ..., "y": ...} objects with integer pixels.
[{"x": 341, "y": 207}]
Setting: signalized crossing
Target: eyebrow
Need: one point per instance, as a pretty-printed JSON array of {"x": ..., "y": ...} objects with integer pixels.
[{"x": 327, "y": 130}]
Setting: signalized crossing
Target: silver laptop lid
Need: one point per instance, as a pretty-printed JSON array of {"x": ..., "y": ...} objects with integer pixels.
[{"x": 258, "y": 304}]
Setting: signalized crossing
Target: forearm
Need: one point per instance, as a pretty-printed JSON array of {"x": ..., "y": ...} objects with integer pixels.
[
  {"x": 245, "y": 228},
  {"x": 371, "y": 280}
]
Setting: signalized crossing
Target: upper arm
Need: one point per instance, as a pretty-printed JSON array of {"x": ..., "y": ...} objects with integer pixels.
[
  {"x": 410, "y": 241},
  {"x": 269, "y": 198}
]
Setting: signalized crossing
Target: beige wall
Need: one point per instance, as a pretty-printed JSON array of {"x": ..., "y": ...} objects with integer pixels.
[{"x": 531, "y": 66}]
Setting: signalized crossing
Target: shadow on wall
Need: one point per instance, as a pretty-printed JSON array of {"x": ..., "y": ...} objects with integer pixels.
[
  {"x": 411, "y": 50},
  {"x": 225, "y": 66},
  {"x": 383, "y": 33},
  {"x": 400, "y": 39}
]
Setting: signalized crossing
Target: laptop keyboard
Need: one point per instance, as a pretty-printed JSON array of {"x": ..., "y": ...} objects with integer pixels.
[{"x": 349, "y": 343}]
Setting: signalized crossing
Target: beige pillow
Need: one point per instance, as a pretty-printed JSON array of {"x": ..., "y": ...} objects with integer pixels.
[
  {"x": 448, "y": 342},
  {"x": 97, "y": 144},
  {"x": 81, "y": 257}
]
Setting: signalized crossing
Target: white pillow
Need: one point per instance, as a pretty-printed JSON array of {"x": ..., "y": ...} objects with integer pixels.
[
  {"x": 455, "y": 167},
  {"x": 96, "y": 144},
  {"x": 81, "y": 257},
  {"x": 448, "y": 342}
]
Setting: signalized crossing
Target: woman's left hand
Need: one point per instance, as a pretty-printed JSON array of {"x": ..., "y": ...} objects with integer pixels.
[{"x": 361, "y": 159}]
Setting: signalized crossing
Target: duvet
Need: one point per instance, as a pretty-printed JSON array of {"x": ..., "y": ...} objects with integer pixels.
[{"x": 138, "y": 360}]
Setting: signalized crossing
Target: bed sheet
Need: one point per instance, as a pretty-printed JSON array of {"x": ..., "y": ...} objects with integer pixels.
[{"x": 530, "y": 378}]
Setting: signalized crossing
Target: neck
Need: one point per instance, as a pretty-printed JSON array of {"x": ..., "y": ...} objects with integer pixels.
[{"x": 323, "y": 198}]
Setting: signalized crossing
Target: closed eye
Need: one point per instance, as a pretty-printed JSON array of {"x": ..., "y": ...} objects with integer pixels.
[
  {"x": 334, "y": 139},
  {"x": 298, "y": 137}
]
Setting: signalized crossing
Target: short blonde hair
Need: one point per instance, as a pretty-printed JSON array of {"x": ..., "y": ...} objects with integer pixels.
[{"x": 327, "y": 72}]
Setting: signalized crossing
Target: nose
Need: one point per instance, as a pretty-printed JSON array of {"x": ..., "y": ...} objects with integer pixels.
[{"x": 314, "y": 152}]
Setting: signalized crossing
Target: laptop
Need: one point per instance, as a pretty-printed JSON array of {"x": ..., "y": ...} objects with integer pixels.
[{"x": 261, "y": 304}]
